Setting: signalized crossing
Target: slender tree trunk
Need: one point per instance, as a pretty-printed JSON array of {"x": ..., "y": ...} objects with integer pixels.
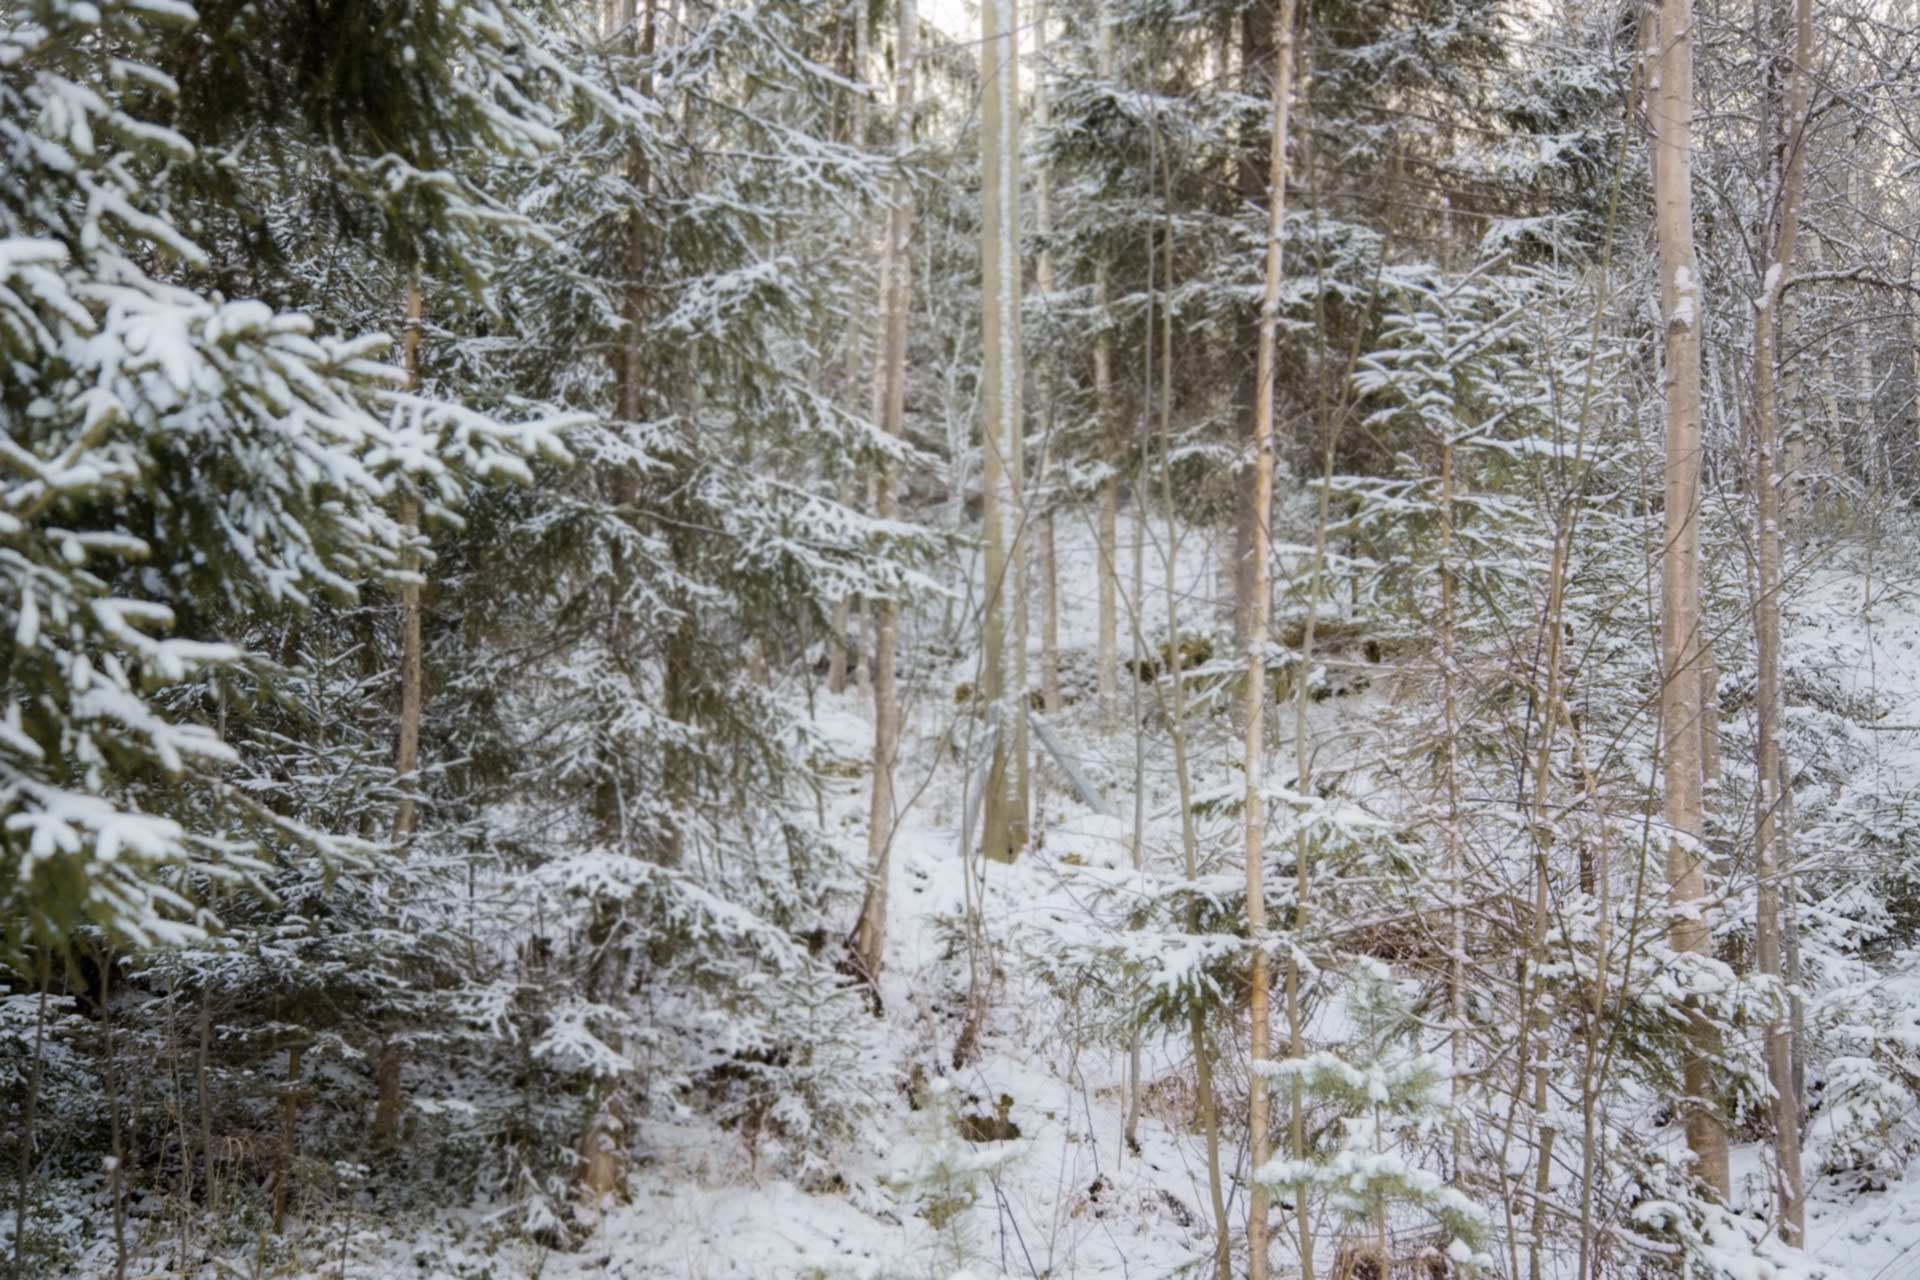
[
  {"x": 1711, "y": 766},
  {"x": 870, "y": 938},
  {"x": 1137, "y": 606},
  {"x": 1258, "y": 609},
  {"x": 599, "y": 1167},
  {"x": 1536, "y": 1029},
  {"x": 204, "y": 1087},
  {"x": 407, "y": 758},
  {"x": 29, "y": 1113},
  {"x": 1013, "y": 348},
  {"x": 1107, "y": 536},
  {"x": 117, "y": 1146},
  {"x": 1680, "y": 299},
  {"x": 1303, "y": 853},
  {"x": 289, "y": 1134},
  {"x": 1865, "y": 430},
  {"x": 866, "y": 648},
  {"x": 632, "y": 353},
  {"x": 1790, "y": 930},
  {"x": 1785, "y": 155},
  {"x": 1450, "y": 761},
  {"x": 1177, "y": 726},
  {"x": 1004, "y": 826},
  {"x": 1044, "y": 278},
  {"x": 1259, "y": 23},
  {"x": 389, "y": 1057},
  {"x": 840, "y": 645}
]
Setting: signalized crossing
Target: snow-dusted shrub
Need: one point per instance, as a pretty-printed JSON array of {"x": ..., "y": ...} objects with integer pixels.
[{"x": 1391, "y": 1100}]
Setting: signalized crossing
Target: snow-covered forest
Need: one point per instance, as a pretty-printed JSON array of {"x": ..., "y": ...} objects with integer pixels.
[{"x": 816, "y": 639}]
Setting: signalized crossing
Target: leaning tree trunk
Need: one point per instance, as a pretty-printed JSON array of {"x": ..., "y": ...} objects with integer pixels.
[
  {"x": 1257, "y": 608},
  {"x": 1680, "y": 301},
  {"x": 871, "y": 936}
]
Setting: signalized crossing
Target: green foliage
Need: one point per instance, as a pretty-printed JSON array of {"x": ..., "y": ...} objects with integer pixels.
[{"x": 1391, "y": 1098}]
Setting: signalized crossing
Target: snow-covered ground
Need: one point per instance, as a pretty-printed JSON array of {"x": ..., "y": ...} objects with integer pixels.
[
  {"x": 1068, "y": 1197},
  {"x": 1065, "y": 1198}
]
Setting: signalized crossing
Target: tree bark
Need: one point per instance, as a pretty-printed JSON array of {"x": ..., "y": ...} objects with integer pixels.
[
  {"x": 1044, "y": 279},
  {"x": 1013, "y": 280},
  {"x": 1680, "y": 303},
  {"x": 117, "y": 1147},
  {"x": 407, "y": 758},
  {"x": 1177, "y": 730},
  {"x": 840, "y": 645},
  {"x": 599, "y": 1165},
  {"x": 1258, "y": 24},
  {"x": 1107, "y": 534},
  {"x": 388, "y": 1098},
  {"x": 289, "y": 1136},
  {"x": 1450, "y": 727},
  {"x": 1258, "y": 609},
  {"x": 870, "y": 938},
  {"x": 1136, "y": 603},
  {"x": 26, "y": 1138},
  {"x": 1785, "y": 155},
  {"x": 1004, "y": 825}
]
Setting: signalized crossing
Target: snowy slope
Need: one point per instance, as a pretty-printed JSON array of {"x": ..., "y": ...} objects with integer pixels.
[{"x": 1067, "y": 1198}]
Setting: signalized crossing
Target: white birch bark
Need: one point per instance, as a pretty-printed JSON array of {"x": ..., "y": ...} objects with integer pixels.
[
  {"x": 1004, "y": 825},
  {"x": 1108, "y": 653},
  {"x": 1259, "y": 610},
  {"x": 871, "y": 935},
  {"x": 1671, "y": 87},
  {"x": 1771, "y": 854}
]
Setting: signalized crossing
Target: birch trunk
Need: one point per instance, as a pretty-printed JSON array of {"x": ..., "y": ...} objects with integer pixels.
[
  {"x": 1258, "y": 611},
  {"x": 871, "y": 935},
  {"x": 1004, "y": 825},
  {"x": 1107, "y": 535},
  {"x": 1771, "y": 854},
  {"x": 1680, "y": 300},
  {"x": 1258, "y": 23}
]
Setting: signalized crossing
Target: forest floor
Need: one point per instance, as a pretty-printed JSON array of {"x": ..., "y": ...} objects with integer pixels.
[{"x": 1067, "y": 1197}]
